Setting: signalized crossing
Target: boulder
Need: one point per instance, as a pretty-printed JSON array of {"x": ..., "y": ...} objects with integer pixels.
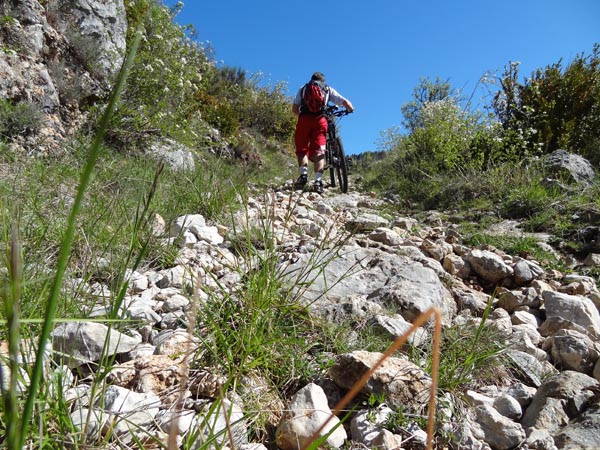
[
  {"x": 567, "y": 165},
  {"x": 488, "y": 265}
]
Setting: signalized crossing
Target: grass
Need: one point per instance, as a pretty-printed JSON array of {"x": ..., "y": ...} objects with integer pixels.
[
  {"x": 254, "y": 331},
  {"x": 470, "y": 355},
  {"x": 524, "y": 246},
  {"x": 519, "y": 191},
  {"x": 53, "y": 234},
  {"x": 259, "y": 329}
]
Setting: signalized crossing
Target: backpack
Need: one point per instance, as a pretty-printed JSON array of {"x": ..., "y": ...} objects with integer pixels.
[{"x": 314, "y": 97}]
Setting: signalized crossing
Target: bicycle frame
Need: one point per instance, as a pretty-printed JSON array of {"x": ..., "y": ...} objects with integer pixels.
[{"x": 335, "y": 158}]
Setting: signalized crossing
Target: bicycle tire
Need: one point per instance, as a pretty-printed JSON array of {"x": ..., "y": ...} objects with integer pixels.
[
  {"x": 330, "y": 163},
  {"x": 340, "y": 167}
]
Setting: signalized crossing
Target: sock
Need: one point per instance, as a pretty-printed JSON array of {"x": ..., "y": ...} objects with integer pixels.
[
  {"x": 318, "y": 176},
  {"x": 303, "y": 170}
]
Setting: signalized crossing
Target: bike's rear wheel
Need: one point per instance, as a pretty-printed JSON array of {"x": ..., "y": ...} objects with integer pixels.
[{"x": 341, "y": 168}]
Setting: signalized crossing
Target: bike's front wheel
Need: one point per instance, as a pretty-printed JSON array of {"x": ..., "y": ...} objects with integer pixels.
[
  {"x": 330, "y": 162},
  {"x": 341, "y": 168}
]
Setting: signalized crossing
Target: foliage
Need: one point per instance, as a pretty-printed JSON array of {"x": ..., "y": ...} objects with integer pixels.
[
  {"x": 19, "y": 420},
  {"x": 443, "y": 139},
  {"x": 232, "y": 99},
  {"x": 18, "y": 119},
  {"x": 525, "y": 246},
  {"x": 427, "y": 91},
  {"x": 470, "y": 354},
  {"x": 453, "y": 158},
  {"x": 555, "y": 108},
  {"x": 164, "y": 79},
  {"x": 257, "y": 327},
  {"x": 450, "y": 158},
  {"x": 177, "y": 90},
  {"x": 399, "y": 421},
  {"x": 269, "y": 113},
  {"x": 211, "y": 190},
  {"x": 260, "y": 326},
  {"x": 84, "y": 48}
]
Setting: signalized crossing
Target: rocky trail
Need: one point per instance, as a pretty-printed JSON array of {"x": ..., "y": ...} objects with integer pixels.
[{"x": 360, "y": 267}]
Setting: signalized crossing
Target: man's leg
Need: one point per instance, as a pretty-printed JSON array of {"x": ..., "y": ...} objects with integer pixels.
[
  {"x": 318, "y": 144},
  {"x": 303, "y": 172},
  {"x": 319, "y": 166},
  {"x": 303, "y": 163},
  {"x": 302, "y": 139}
]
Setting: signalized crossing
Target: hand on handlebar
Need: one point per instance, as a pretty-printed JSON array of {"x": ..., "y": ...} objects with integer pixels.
[{"x": 348, "y": 105}]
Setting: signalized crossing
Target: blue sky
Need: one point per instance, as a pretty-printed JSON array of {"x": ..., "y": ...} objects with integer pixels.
[{"x": 374, "y": 52}]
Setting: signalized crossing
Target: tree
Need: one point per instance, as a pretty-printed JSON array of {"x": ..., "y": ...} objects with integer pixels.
[
  {"x": 427, "y": 91},
  {"x": 440, "y": 132}
]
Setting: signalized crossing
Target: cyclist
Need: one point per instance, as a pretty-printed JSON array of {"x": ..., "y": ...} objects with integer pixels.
[{"x": 311, "y": 134}]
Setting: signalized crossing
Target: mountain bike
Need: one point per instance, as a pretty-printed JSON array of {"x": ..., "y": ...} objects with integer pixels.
[{"x": 335, "y": 158}]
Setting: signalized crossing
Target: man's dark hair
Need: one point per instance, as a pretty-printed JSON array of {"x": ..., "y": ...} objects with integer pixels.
[{"x": 318, "y": 76}]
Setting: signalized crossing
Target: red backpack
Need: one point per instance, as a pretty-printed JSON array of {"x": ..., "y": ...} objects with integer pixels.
[{"x": 314, "y": 97}]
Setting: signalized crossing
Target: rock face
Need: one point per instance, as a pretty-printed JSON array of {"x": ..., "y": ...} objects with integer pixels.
[
  {"x": 100, "y": 24},
  {"x": 58, "y": 58}
]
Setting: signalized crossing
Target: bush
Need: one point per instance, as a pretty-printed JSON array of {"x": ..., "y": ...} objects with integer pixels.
[
  {"x": 554, "y": 108},
  {"x": 231, "y": 100},
  {"x": 268, "y": 112},
  {"x": 176, "y": 89},
  {"x": 168, "y": 71},
  {"x": 444, "y": 140},
  {"x": 18, "y": 119}
]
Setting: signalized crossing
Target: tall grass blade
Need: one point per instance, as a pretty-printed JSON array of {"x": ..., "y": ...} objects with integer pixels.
[
  {"x": 472, "y": 355},
  {"x": 12, "y": 296},
  {"x": 67, "y": 241}
]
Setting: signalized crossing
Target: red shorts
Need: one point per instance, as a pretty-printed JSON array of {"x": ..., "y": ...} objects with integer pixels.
[{"x": 311, "y": 135}]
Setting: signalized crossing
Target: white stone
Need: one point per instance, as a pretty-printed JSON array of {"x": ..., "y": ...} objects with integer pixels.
[{"x": 307, "y": 412}]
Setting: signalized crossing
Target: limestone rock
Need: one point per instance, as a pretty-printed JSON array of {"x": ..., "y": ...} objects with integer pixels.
[
  {"x": 488, "y": 265},
  {"x": 401, "y": 382},
  {"x": 307, "y": 412},
  {"x": 86, "y": 342}
]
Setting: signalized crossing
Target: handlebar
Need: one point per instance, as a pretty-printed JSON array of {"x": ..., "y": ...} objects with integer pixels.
[{"x": 336, "y": 111}]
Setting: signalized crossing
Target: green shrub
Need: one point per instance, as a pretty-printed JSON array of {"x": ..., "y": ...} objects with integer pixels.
[
  {"x": 168, "y": 71},
  {"x": 556, "y": 107},
  {"x": 218, "y": 113},
  {"x": 18, "y": 119},
  {"x": 268, "y": 112},
  {"x": 445, "y": 146},
  {"x": 228, "y": 96},
  {"x": 177, "y": 90}
]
